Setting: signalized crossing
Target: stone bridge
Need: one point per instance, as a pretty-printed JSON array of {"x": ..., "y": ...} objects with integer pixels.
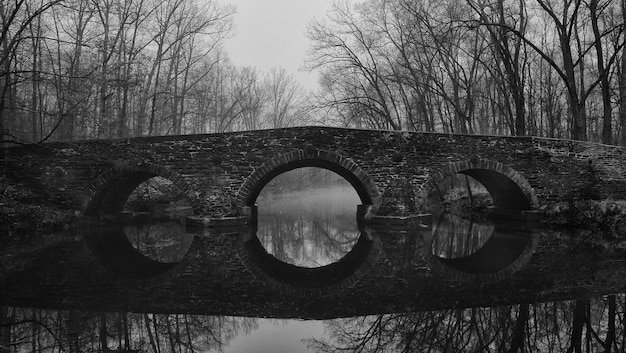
[{"x": 392, "y": 172}]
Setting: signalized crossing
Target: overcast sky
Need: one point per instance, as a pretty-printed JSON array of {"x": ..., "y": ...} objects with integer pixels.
[{"x": 270, "y": 33}]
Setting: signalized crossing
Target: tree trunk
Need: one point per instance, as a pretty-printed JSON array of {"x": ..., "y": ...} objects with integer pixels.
[
  {"x": 103, "y": 333},
  {"x": 579, "y": 119},
  {"x": 103, "y": 114},
  {"x": 126, "y": 328},
  {"x": 5, "y": 84},
  {"x": 622, "y": 84},
  {"x": 577, "y": 108},
  {"x": 35, "y": 32},
  {"x": 6, "y": 319},
  {"x": 517, "y": 342},
  {"x": 580, "y": 312},
  {"x": 607, "y": 134},
  {"x": 610, "y": 332},
  {"x": 153, "y": 342},
  {"x": 5, "y": 76}
]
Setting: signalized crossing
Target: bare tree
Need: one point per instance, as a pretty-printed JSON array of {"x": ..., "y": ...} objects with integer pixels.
[
  {"x": 132, "y": 17},
  {"x": 392, "y": 61},
  {"x": 595, "y": 11},
  {"x": 510, "y": 52},
  {"x": 350, "y": 53},
  {"x": 566, "y": 21},
  {"x": 285, "y": 100},
  {"x": 72, "y": 68},
  {"x": 622, "y": 79},
  {"x": 16, "y": 18}
]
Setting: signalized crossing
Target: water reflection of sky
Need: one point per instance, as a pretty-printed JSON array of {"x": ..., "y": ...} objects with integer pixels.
[
  {"x": 278, "y": 336},
  {"x": 309, "y": 228}
]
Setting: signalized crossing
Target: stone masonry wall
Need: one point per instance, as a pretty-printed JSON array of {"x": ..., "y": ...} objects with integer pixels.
[{"x": 212, "y": 168}]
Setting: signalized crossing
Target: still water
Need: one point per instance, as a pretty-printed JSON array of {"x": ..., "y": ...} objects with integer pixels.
[
  {"x": 311, "y": 228},
  {"x": 307, "y": 278}
]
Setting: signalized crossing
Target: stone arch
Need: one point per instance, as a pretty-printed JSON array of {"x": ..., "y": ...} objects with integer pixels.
[
  {"x": 110, "y": 190},
  {"x": 508, "y": 188},
  {"x": 309, "y": 157}
]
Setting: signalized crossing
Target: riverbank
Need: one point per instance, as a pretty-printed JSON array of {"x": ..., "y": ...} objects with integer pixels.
[{"x": 608, "y": 216}]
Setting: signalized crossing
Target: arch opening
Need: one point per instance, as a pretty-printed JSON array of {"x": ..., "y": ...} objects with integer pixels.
[
  {"x": 112, "y": 196},
  {"x": 307, "y": 217},
  {"x": 140, "y": 192},
  {"x": 467, "y": 240},
  {"x": 466, "y": 190},
  {"x": 505, "y": 192},
  {"x": 458, "y": 194},
  {"x": 363, "y": 190}
]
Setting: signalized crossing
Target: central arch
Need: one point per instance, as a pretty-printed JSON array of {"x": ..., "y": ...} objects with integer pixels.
[{"x": 309, "y": 157}]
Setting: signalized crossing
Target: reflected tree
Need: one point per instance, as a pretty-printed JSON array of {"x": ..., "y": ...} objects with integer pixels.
[
  {"x": 307, "y": 239},
  {"x": 458, "y": 237},
  {"x": 583, "y": 325},
  {"x": 307, "y": 217},
  {"x": 38, "y": 330}
]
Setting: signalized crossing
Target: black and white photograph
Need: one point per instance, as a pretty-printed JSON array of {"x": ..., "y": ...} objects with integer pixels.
[{"x": 312, "y": 176}]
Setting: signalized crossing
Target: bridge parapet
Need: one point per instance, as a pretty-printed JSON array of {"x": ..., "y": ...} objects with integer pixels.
[{"x": 223, "y": 173}]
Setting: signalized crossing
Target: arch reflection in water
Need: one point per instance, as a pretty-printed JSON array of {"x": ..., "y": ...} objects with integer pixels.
[
  {"x": 306, "y": 239},
  {"x": 456, "y": 237},
  {"x": 477, "y": 250},
  {"x": 309, "y": 228},
  {"x": 140, "y": 250},
  {"x": 326, "y": 279}
]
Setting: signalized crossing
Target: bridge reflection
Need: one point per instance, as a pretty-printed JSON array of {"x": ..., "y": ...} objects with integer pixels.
[
  {"x": 482, "y": 251},
  {"x": 327, "y": 279},
  {"x": 142, "y": 250},
  {"x": 229, "y": 272}
]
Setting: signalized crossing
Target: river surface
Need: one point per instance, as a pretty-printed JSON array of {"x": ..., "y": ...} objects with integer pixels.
[{"x": 309, "y": 278}]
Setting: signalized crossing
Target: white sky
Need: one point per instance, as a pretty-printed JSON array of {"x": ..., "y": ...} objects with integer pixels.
[{"x": 270, "y": 33}]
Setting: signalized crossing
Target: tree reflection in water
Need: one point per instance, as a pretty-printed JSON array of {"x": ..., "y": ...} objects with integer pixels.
[
  {"x": 457, "y": 237},
  {"x": 309, "y": 228},
  {"x": 166, "y": 242},
  {"x": 36, "y": 330},
  {"x": 584, "y": 325}
]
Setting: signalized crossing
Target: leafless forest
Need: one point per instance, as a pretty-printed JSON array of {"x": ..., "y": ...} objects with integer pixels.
[
  {"x": 584, "y": 325},
  {"x": 83, "y": 69}
]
